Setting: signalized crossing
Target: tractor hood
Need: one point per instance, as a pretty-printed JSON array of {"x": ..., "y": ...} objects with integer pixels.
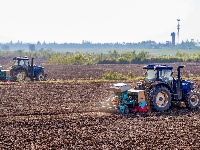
[
  {"x": 187, "y": 85},
  {"x": 39, "y": 67}
]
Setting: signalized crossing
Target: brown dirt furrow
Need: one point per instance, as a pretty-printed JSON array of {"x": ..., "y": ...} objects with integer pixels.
[{"x": 42, "y": 115}]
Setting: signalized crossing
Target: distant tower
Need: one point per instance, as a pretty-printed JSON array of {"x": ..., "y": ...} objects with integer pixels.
[
  {"x": 173, "y": 38},
  {"x": 178, "y": 27}
]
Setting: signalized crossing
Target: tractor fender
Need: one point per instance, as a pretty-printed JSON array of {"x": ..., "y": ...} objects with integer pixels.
[
  {"x": 12, "y": 71},
  {"x": 17, "y": 68},
  {"x": 157, "y": 83}
]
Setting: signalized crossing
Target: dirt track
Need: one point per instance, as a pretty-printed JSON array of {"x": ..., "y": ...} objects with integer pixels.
[{"x": 64, "y": 116}]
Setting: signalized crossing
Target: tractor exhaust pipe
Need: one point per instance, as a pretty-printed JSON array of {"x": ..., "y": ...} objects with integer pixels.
[
  {"x": 32, "y": 69},
  {"x": 179, "y": 83},
  {"x": 179, "y": 71}
]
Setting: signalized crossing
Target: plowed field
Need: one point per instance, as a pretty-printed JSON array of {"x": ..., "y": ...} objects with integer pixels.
[
  {"x": 65, "y": 72},
  {"x": 64, "y": 115}
]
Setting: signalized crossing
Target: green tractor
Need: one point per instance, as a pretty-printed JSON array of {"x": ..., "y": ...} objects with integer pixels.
[{"x": 162, "y": 90}]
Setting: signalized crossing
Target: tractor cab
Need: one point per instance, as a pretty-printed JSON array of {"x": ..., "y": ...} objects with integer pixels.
[
  {"x": 20, "y": 61},
  {"x": 161, "y": 73}
]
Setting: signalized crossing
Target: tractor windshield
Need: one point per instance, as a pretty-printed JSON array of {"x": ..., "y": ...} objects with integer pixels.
[
  {"x": 15, "y": 63},
  {"x": 165, "y": 75},
  {"x": 26, "y": 62},
  {"x": 20, "y": 62},
  {"x": 150, "y": 75}
]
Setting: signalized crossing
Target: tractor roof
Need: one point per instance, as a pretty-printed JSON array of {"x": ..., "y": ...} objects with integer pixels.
[
  {"x": 20, "y": 58},
  {"x": 158, "y": 67}
]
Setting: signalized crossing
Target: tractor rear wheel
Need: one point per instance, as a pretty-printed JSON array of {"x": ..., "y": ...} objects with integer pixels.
[
  {"x": 19, "y": 75},
  {"x": 192, "y": 100},
  {"x": 160, "y": 98}
]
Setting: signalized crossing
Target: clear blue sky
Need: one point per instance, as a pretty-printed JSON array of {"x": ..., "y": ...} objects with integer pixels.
[{"x": 98, "y": 20}]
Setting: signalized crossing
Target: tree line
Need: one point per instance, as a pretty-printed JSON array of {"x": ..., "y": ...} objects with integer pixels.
[
  {"x": 112, "y": 57},
  {"x": 87, "y": 44}
]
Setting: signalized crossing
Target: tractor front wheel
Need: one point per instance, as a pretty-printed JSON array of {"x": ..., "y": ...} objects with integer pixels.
[
  {"x": 192, "y": 100},
  {"x": 160, "y": 98},
  {"x": 40, "y": 76}
]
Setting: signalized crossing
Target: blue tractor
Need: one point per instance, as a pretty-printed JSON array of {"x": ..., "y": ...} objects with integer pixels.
[
  {"x": 162, "y": 90},
  {"x": 21, "y": 69}
]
